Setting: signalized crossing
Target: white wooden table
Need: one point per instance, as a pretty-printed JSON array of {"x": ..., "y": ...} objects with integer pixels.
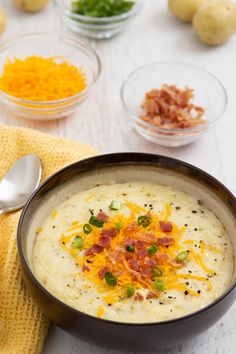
[{"x": 153, "y": 36}]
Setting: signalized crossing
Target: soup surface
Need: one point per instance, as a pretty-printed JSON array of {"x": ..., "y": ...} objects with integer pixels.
[{"x": 134, "y": 252}]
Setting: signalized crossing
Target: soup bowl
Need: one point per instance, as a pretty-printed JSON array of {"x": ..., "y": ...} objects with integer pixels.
[{"x": 125, "y": 167}]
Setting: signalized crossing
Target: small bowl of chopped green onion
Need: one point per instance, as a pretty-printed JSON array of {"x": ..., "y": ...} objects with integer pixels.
[{"x": 99, "y": 19}]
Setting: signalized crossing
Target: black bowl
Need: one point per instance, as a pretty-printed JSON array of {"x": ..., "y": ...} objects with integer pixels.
[{"x": 125, "y": 167}]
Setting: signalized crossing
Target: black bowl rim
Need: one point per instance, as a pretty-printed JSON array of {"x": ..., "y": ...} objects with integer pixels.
[{"x": 131, "y": 159}]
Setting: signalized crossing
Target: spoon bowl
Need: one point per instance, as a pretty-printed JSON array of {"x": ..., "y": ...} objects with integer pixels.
[{"x": 19, "y": 183}]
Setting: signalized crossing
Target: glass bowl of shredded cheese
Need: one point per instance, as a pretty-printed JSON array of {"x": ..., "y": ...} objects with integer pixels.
[
  {"x": 46, "y": 76},
  {"x": 173, "y": 104}
]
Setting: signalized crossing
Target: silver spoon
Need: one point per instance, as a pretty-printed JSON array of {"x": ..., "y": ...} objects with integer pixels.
[{"x": 19, "y": 183}]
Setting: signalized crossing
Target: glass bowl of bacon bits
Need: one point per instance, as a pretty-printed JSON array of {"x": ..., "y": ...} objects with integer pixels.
[{"x": 171, "y": 103}]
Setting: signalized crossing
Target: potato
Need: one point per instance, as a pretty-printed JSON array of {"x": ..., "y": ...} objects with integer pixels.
[
  {"x": 215, "y": 22},
  {"x": 184, "y": 10},
  {"x": 2, "y": 21},
  {"x": 31, "y": 5}
]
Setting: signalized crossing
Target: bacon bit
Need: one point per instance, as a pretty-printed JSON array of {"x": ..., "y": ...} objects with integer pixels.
[
  {"x": 162, "y": 257},
  {"x": 109, "y": 232},
  {"x": 103, "y": 216},
  {"x": 93, "y": 250},
  {"x": 147, "y": 236},
  {"x": 138, "y": 297},
  {"x": 115, "y": 256},
  {"x": 131, "y": 227},
  {"x": 151, "y": 262},
  {"x": 140, "y": 244},
  {"x": 85, "y": 268},
  {"x": 134, "y": 264},
  {"x": 170, "y": 108},
  {"x": 145, "y": 271},
  {"x": 104, "y": 242},
  {"x": 128, "y": 256},
  {"x": 129, "y": 242},
  {"x": 141, "y": 254},
  {"x": 105, "y": 237},
  {"x": 151, "y": 295},
  {"x": 166, "y": 226},
  {"x": 165, "y": 241},
  {"x": 102, "y": 272},
  {"x": 149, "y": 214}
]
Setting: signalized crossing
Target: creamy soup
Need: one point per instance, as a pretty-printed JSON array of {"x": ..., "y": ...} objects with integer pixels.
[{"x": 134, "y": 252}]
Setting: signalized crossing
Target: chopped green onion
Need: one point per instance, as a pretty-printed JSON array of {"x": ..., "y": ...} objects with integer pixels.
[
  {"x": 96, "y": 222},
  {"x": 119, "y": 226},
  {"x": 78, "y": 242},
  {"x": 101, "y": 8},
  {"x": 157, "y": 272},
  {"x": 130, "y": 248},
  {"x": 130, "y": 290},
  {"x": 144, "y": 221},
  {"x": 87, "y": 229},
  {"x": 181, "y": 256},
  {"x": 115, "y": 205},
  {"x": 110, "y": 279},
  {"x": 159, "y": 284},
  {"x": 153, "y": 249}
]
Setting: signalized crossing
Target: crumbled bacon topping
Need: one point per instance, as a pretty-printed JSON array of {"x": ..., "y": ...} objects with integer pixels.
[
  {"x": 170, "y": 108},
  {"x": 138, "y": 297},
  {"x": 102, "y": 216},
  {"x": 151, "y": 295},
  {"x": 166, "y": 226},
  {"x": 85, "y": 268}
]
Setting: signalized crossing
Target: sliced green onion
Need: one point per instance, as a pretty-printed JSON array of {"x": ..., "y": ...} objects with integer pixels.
[
  {"x": 78, "y": 242},
  {"x": 157, "y": 272},
  {"x": 144, "y": 221},
  {"x": 181, "y": 256},
  {"x": 130, "y": 248},
  {"x": 115, "y": 205},
  {"x": 153, "y": 249},
  {"x": 87, "y": 229},
  {"x": 159, "y": 284},
  {"x": 96, "y": 222},
  {"x": 110, "y": 279},
  {"x": 119, "y": 226},
  {"x": 130, "y": 290}
]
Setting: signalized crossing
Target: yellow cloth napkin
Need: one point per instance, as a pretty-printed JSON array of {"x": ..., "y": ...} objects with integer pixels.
[{"x": 22, "y": 325}]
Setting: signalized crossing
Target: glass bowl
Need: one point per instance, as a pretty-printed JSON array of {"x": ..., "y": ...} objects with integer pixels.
[
  {"x": 96, "y": 27},
  {"x": 209, "y": 93},
  {"x": 44, "y": 44}
]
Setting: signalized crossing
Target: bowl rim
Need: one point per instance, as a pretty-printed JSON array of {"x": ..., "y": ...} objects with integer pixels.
[
  {"x": 133, "y": 12},
  {"x": 183, "y": 65},
  {"x": 106, "y": 160},
  {"x": 59, "y": 34}
]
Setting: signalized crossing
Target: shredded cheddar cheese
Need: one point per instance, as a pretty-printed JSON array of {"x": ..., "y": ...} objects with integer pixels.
[
  {"x": 154, "y": 232},
  {"x": 41, "y": 79}
]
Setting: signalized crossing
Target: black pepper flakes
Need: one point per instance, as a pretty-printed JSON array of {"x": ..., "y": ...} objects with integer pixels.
[
  {"x": 186, "y": 292},
  {"x": 187, "y": 283},
  {"x": 199, "y": 291},
  {"x": 185, "y": 224},
  {"x": 177, "y": 208},
  {"x": 195, "y": 229},
  {"x": 194, "y": 211}
]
